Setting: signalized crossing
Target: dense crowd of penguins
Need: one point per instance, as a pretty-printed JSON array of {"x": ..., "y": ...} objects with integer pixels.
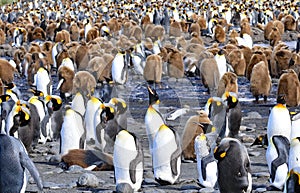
[{"x": 91, "y": 46}]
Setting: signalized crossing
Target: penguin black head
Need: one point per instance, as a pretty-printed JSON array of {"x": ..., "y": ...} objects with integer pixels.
[
  {"x": 231, "y": 99},
  {"x": 292, "y": 182},
  {"x": 281, "y": 99},
  {"x": 153, "y": 96},
  {"x": 108, "y": 113},
  {"x": 4, "y": 98},
  {"x": 37, "y": 92},
  {"x": 54, "y": 103},
  {"x": 10, "y": 85}
]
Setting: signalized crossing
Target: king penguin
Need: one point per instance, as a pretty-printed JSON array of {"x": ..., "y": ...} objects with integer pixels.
[
  {"x": 128, "y": 161},
  {"x": 292, "y": 184},
  {"x": 92, "y": 106},
  {"x": 18, "y": 37},
  {"x": 14, "y": 163},
  {"x": 166, "y": 155},
  {"x": 42, "y": 81},
  {"x": 72, "y": 134},
  {"x": 279, "y": 121},
  {"x": 119, "y": 68},
  {"x": 153, "y": 118},
  {"x": 233, "y": 166},
  {"x": 294, "y": 153},
  {"x": 206, "y": 163},
  {"x": 221, "y": 62},
  {"x": 278, "y": 132}
]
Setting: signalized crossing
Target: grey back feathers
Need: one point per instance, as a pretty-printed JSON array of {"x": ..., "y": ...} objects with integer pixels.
[{"x": 14, "y": 160}]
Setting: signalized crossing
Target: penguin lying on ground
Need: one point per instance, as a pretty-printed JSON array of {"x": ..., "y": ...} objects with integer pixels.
[{"x": 14, "y": 163}]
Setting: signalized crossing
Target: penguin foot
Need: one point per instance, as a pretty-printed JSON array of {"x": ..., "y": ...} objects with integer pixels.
[{"x": 273, "y": 188}]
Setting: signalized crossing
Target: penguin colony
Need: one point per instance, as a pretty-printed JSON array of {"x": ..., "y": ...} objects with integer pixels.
[{"x": 93, "y": 47}]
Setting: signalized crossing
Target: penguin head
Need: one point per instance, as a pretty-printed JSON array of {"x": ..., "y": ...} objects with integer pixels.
[
  {"x": 281, "y": 99},
  {"x": 231, "y": 99},
  {"x": 4, "y": 98},
  {"x": 21, "y": 115},
  {"x": 295, "y": 141},
  {"x": 54, "y": 102},
  {"x": 221, "y": 151},
  {"x": 120, "y": 105},
  {"x": 37, "y": 92},
  {"x": 261, "y": 140},
  {"x": 108, "y": 113},
  {"x": 153, "y": 96}
]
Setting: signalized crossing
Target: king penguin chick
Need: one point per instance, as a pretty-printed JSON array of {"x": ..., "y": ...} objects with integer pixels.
[
  {"x": 14, "y": 163},
  {"x": 128, "y": 161},
  {"x": 166, "y": 155},
  {"x": 153, "y": 118},
  {"x": 206, "y": 163}
]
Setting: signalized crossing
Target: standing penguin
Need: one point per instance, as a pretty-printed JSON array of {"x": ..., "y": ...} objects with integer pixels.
[
  {"x": 234, "y": 114},
  {"x": 206, "y": 163},
  {"x": 166, "y": 155},
  {"x": 294, "y": 153},
  {"x": 14, "y": 162},
  {"x": 18, "y": 37},
  {"x": 92, "y": 105},
  {"x": 279, "y": 122},
  {"x": 42, "y": 81},
  {"x": 278, "y": 132},
  {"x": 221, "y": 62},
  {"x": 233, "y": 166},
  {"x": 277, "y": 159},
  {"x": 292, "y": 184},
  {"x": 128, "y": 161},
  {"x": 72, "y": 134},
  {"x": 119, "y": 68},
  {"x": 153, "y": 118}
]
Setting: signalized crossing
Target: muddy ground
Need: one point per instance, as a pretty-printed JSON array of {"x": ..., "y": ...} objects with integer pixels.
[{"x": 186, "y": 92}]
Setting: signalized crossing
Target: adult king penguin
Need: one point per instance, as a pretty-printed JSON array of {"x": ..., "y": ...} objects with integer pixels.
[
  {"x": 278, "y": 132},
  {"x": 166, "y": 155},
  {"x": 233, "y": 166},
  {"x": 153, "y": 118},
  {"x": 119, "y": 68},
  {"x": 128, "y": 162},
  {"x": 206, "y": 163},
  {"x": 14, "y": 162}
]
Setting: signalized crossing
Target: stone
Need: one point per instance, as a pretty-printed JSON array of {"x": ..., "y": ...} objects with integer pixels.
[{"x": 88, "y": 180}]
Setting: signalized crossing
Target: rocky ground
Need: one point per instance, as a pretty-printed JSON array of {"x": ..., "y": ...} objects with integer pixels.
[{"x": 173, "y": 94}]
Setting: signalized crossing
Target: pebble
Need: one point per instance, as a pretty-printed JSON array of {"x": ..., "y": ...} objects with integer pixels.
[
  {"x": 53, "y": 158},
  {"x": 261, "y": 174},
  {"x": 154, "y": 190},
  {"x": 75, "y": 169},
  {"x": 55, "y": 171},
  {"x": 258, "y": 190},
  {"x": 253, "y": 115},
  {"x": 254, "y": 153},
  {"x": 247, "y": 139},
  {"x": 206, "y": 190},
  {"x": 88, "y": 180}
]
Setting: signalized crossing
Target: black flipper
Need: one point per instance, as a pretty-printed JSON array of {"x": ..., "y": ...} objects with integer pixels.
[
  {"x": 175, "y": 155},
  {"x": 282, "y": 146},
  {"x": 28, "y": 164},
  {"x": 138, "y": 159},
  {"x": 204, "y": 162}
]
